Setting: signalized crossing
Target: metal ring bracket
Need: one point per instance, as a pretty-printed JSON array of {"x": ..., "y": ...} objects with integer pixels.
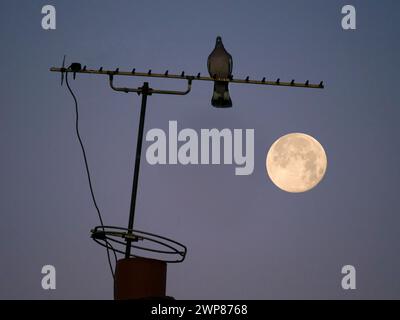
[{"x": 161, "y": 248}]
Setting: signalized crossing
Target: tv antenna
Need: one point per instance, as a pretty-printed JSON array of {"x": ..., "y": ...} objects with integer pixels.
[{"x": 129, "y": 238}]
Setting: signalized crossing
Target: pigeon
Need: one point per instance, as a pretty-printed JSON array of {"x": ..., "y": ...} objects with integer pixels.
[{"x": 220, "y": 65}]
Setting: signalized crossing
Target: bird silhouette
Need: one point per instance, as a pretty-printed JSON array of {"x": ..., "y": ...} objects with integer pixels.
[{"x": 220, "y": 65}]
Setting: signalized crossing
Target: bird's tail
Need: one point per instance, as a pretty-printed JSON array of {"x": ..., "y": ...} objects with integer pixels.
[{"x": 221, "y": 98}]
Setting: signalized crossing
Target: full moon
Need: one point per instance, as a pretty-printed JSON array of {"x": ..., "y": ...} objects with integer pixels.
[{"x": 296, "y": 162}]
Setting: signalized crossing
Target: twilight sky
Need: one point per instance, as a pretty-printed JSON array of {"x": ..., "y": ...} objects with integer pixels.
[{"x": 246, "y": 238}]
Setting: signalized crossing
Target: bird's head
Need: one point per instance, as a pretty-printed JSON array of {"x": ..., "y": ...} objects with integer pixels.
[{"x": 218, "y": 41}]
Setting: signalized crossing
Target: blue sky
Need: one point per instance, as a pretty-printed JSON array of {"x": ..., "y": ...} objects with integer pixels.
[{"x": 246, "y": 238}]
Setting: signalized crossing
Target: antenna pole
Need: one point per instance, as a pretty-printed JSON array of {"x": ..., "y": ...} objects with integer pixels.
[{"x": 144, "y": 92}]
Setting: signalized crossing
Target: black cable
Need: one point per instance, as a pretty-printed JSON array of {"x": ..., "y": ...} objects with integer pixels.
[
  {"x": 109, "y": 246},
  {"x": 113, "y": 250}
]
